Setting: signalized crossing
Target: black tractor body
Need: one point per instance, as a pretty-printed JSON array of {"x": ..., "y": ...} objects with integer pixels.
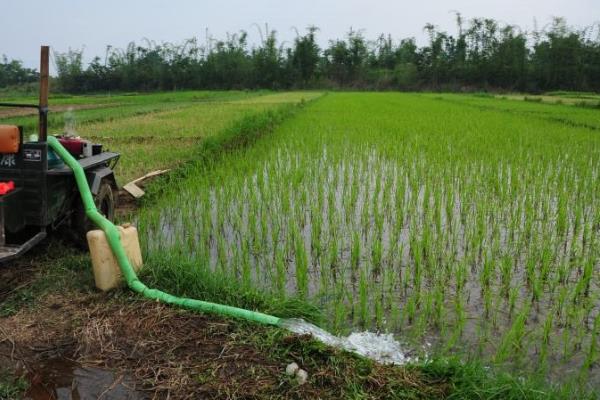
[{"x": 42, "y": 194}]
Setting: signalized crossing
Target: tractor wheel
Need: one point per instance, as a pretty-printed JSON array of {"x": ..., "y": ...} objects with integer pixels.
[
  {"x": 105, "y": 201},
  {"x": 106, "y": 205}
]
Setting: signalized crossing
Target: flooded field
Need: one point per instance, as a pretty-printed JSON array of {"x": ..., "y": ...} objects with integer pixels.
[{"x": 469, "y": 223}]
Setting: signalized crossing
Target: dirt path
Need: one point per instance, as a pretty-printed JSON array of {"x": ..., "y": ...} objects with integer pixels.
[{"x": 21, "y": 112}]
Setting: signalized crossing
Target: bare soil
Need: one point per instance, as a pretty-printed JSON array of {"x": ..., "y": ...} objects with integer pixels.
[
  {"x": 164, "y": 350},
  {"x": 22, "y": 112}
]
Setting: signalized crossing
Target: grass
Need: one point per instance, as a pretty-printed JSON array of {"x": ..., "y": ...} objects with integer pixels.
[
  {"x": 186, "y": 281},
  {"x": 62, "y": 267},
  {"x": 564, "y": 114},
  {"x": 473, "y": 380},
  {"x": 579, "y": 99},
  {"x": 11, "y": 387},
  {"x": 155, "y": 131},
  {"x": 164, "y": 139}
]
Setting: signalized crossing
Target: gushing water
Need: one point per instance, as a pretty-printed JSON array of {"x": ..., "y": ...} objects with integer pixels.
[
  {"x": 70, "y": 123},
  {"x": 382, "y": 348}
]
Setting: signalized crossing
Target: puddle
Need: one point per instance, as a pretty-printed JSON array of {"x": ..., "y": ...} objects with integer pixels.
[{"x": 61, "y": 379}]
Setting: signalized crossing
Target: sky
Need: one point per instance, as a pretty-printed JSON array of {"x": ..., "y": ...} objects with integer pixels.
[{"x": 94, "y": 24}]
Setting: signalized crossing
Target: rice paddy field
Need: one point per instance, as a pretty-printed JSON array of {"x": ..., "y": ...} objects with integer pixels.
[
  {"x": 152, "y": 131},
  {"x": 469, "y": 224},
  {"x": 464, "y": 225},
  {"x": 580, "y": 99}
]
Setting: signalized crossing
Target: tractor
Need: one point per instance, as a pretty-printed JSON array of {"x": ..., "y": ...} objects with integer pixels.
[{"x": 38, "y": 193}]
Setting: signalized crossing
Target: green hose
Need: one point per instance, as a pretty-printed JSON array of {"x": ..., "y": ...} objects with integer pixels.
[{"x": 114, "y": 240}]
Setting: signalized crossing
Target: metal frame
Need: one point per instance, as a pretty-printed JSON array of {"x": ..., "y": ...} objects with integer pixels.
[{"x": 10, "y": 252}]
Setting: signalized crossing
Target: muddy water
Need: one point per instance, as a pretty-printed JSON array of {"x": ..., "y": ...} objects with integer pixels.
[{"x": 61, "y": 379}]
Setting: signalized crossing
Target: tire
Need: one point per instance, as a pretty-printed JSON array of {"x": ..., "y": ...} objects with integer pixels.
[
  {"x": 105, "y": 201},
  {"x": 106, "y": 205}
]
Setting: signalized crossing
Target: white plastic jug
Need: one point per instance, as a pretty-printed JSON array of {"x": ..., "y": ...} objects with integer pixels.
[{"x": 107, "y": 272}]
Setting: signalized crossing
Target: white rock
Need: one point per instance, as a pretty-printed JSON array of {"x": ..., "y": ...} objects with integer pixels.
[
  {"x": 291, "y": 369},
  {"x": 301, "y": 376}
]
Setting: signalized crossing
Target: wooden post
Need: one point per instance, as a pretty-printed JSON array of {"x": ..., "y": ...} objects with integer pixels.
[{"x": 44, "y": 72}]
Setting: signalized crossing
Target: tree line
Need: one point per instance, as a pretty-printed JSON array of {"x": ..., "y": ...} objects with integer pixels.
[
  {"x": 14, "y": 73},
  {"x": 483, "y": 54}
]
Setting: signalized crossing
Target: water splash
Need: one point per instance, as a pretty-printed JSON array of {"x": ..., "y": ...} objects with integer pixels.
[
  {"x": 70, "y": 123},
  {"x": 382, "y": 348}
]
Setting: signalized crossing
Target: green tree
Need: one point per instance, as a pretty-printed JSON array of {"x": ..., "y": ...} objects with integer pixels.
[{"x": 305, "y": 58}]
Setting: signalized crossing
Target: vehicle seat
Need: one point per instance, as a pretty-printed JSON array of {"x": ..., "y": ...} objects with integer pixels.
[{"x": 10, "y": 139}]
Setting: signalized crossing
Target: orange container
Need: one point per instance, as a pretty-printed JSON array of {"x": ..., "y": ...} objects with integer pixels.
[{"x": 9, "y": 139}]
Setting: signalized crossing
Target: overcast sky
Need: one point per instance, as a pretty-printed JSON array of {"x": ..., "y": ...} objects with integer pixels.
[{"x": 26, "y": 24}]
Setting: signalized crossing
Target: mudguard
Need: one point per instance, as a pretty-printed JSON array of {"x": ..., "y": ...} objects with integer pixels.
[{"x": 95, "y": 177}]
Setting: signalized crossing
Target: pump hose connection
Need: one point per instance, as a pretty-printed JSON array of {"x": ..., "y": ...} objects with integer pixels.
[{"x": 134, "y": 283}]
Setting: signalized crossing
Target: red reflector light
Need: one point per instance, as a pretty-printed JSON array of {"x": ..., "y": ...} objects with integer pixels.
[{"x": 6, "y": 187}]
